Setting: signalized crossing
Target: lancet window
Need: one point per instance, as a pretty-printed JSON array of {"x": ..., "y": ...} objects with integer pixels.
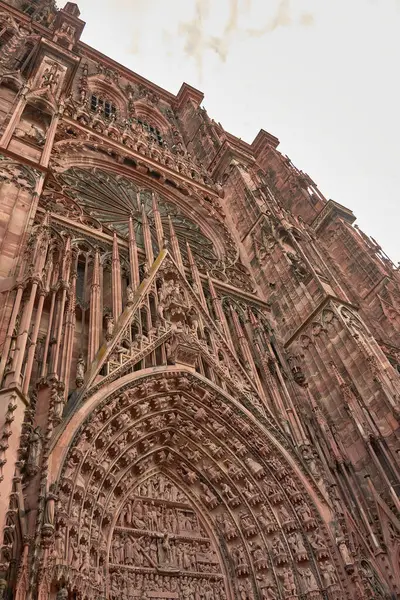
[
  {"x": 105, "y": 106},
  {"x": 153, "y": 131}
]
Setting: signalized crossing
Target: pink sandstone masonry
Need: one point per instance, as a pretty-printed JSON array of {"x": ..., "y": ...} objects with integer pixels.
[{"x": 200, "y": 353}]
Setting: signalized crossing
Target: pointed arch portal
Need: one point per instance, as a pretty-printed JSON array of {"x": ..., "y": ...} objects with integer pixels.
[{"x": 169, "y": 488}]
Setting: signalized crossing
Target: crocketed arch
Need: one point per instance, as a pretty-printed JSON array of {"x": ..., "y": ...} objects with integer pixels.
[
  {"x": 244, "y": 487},
  {"x": 104, "y": 90},
  {"x": 151, "y": 115}
]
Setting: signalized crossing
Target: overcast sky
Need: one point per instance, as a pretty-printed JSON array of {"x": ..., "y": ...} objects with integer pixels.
[{"x": 321, "y": 75}]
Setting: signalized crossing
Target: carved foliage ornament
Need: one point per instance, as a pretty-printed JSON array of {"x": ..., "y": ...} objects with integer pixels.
[{"x": 152, "y": 498}]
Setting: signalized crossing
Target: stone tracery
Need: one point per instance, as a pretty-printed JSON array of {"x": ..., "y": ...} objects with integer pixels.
[
  {"x": 146, "y": 483},
  {"x": 200, "y": 420},
  {"x": 113, "y": 199}
]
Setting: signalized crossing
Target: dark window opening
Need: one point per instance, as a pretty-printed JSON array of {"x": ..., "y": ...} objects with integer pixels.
[
  {"x": 153, "y": 131},
  {"x": 21, "y": 63},
  {"x": 28, "y": 9},
  {"x": 80, "y": 282},
  {"x": 105, "y": 107}
]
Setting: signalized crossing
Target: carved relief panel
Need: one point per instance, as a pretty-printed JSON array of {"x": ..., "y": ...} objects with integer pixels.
[
  {"x": 160, "y": 549},
  {"x": 165, "y": 495}
]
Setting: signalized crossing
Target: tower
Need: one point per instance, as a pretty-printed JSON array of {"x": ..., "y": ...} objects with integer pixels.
[{"x": 200, "y": 353}]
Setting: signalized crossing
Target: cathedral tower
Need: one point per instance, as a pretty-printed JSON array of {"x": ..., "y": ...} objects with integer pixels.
[{"x": 200, "y": 353}]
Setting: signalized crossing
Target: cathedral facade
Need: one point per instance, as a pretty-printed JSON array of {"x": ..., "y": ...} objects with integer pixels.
[{"x": 199, "y": 352}]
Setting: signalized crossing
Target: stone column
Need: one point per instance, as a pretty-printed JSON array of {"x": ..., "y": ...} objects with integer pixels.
[{"x": 12, "y": 408}]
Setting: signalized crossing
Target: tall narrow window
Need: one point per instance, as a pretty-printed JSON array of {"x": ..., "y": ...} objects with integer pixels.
[
  {"x": 107, "y": 108},
  {"x": 153, "y": 131}
]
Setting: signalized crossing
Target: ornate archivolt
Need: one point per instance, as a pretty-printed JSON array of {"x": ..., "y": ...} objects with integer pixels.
[{"x": 168, "y": 488}]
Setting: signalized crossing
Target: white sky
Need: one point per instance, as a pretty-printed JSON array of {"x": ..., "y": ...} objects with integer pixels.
[{"x": 321, "y": 75}]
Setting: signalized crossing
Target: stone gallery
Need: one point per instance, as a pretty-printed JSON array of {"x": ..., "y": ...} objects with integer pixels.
[{"x": 200, "y": 353}]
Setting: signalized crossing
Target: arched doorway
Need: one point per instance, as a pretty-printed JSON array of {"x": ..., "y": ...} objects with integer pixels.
[{"x": 169, "y": 488}]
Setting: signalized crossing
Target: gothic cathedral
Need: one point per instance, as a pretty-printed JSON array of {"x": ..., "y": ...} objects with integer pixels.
[{"x": 199, "y": 352}]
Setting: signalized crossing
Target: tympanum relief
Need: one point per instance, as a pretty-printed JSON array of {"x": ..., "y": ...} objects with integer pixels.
[
  {"x": 153, "y": 503},
  {"x": 159, "y": 546}
]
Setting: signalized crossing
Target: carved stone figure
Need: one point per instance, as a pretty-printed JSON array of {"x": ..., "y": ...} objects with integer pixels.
[
  {"x": 74, "y": 553},
  {"x": 227, "y": 492},
  {"x": 34, "y": 451},
  {"x": 49, "y": 512},
  {"x": 85, "y": 565},
  {"x": 130, "y": 295},
  {"x": 308, "y": 580},
  {"x": 109, "y": 326},
  {"x": 278, "y": 548},
  {"x": 250, "y": 493},
  {"x": 329, "y": 574},
  {"x": 227, "y": 526},
  {"x": 305, "y": 515},
  {"x": 247, "y": 525},
  {"x": 59, "y": 402},
  {"x": 266, "y": 520},
  {"x": 267, "y": 588},
  {"x": 284, "y": 515},
  {"x": 255, "y": 467},
  {"x": 317, "y": 541},
  {"x": 51, "y": 76},
  {"x": 165, "y": 556},
  {"x": 80, "y": 370},
  {"x": 289, "y": 584},
  {"x": 297, "y": 545},
  {"x": 59, "y": 546}
]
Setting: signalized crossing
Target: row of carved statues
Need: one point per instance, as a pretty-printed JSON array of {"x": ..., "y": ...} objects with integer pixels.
[
  {"x": 165, "y": 551},
  {"x": 149, "y": 516},
  {"x": 129, "y": 585},
  {"x": 159, "y": 487}
]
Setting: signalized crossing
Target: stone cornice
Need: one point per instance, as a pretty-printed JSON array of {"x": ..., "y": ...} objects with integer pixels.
[
  {"x": 225, "y": 154},
  {"x": 331, "y": 210},
  {"x": 262, "y": 140},
  {"x": 186, "y": 93}
]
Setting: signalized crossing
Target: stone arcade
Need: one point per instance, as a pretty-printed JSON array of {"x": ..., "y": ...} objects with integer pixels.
[{"x": 199, "y": 373}]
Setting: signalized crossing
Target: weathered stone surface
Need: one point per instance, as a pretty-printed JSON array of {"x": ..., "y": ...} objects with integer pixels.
[{"x": 200, "y": 354}]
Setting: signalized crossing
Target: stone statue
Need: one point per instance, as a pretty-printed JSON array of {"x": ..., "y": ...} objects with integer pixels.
[
  {"x": 109, "y": 327},
  {"x": 59, "y": 546},
  {"x": 268, "y": 590},
  {"x": 296, "y": 543},
  {"x": 130, "y": 295},
  {"x": 35, "y": 447},
  {"x": 166, "y": 547},
  {"x": 317, "y": 541},
  {"x": 51, "y": 77},
  {"x": 278, "y": 548},
  {"x": 254, "y": 467},
  {"x": 309, "y": 581},
  {"x": 289, "y": 585},
  {"x": 49, "y": 512},
  {"x": 329, "y": 574},
  {"x": 59, "y": 402},
  {"x": 80, "y": 370}
]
